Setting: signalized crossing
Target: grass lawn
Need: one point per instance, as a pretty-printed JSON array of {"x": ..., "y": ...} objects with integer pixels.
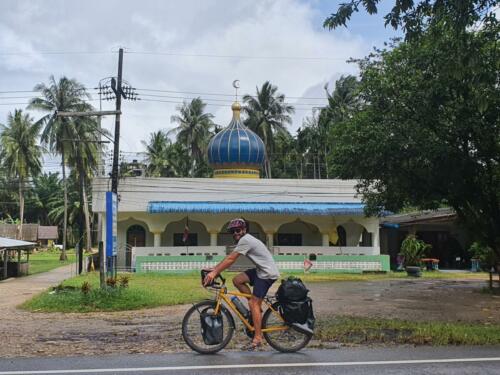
[
  {"x": 144, "y": 291},
  {"x": 48, "y": 260},
  {"x": 155, "y": 289},
  {"x": 385, "y": 331}
]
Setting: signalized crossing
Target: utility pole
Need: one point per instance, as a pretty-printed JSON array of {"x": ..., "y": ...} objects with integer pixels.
[{"x": 117, "y": 88}]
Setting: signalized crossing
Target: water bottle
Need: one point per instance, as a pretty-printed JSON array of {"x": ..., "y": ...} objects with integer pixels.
[{"x": 239, "y": 306}]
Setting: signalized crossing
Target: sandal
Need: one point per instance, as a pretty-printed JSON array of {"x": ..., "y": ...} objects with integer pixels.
[{"x": 251, "y": 347}]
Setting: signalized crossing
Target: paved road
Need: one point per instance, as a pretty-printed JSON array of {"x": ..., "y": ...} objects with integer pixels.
[{"x": 396, "y": 360}]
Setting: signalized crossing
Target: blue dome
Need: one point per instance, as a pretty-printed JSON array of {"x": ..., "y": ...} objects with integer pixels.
[{"x": 236, "y": 146}]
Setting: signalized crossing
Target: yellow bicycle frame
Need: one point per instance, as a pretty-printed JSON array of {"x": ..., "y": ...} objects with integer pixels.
[{"x": 222, "y": 295}]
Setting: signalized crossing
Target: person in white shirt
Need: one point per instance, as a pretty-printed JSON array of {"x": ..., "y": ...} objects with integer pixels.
[{"x": 261, "y": 277}]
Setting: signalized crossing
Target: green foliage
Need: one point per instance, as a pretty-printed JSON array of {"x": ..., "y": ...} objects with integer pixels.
[
  {"x": 123, "y": 280},
  {"x": 193, "y": 132},
  {"x": 358, "y": 330},
  {"x": 413, "y": 250},
  {"x": 144, "y": 291},
  {"x": 485, "y": 254},
  {"x": 86, "y": 287},
  {"x": 267, "y": 115},
  {"x": 415, "y": 17},
  {"x": 111, "y": 282},
  {"x": 428, "y": 133}
]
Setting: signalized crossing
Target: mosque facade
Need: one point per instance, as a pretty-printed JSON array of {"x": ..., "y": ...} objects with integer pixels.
[{"x": 178, "y": 224}]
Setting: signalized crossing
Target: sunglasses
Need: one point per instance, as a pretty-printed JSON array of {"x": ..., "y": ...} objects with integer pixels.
[{"x": 236, "y": 230}]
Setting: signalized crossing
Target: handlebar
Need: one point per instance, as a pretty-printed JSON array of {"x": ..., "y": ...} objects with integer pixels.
[{"x": 214, "y": 283}]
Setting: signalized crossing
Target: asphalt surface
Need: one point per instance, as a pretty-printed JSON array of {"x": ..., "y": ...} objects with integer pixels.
[{"x": 391, "y": 360}]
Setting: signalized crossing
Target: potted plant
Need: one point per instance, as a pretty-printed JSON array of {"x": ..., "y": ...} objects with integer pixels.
[{"x": 413, "y": 250}]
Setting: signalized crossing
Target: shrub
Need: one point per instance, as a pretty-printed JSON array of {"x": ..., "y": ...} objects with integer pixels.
[
  {"x": 111, "y": 282},
  {"x": 413, "y": 250},
  {"x": 86, "y": 287},
  {"x": 123, "y": 280},
  {"x": 485, "y": 254}
]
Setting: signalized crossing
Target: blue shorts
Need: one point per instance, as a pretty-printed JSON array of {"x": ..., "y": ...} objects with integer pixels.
[{"x": 260, "y": 286}]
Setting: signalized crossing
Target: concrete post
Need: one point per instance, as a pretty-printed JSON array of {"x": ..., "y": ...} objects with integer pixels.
[
  {"x": 270, "y": 240},
  {"x": 157, "y": 239},
  {"x": 213, "y": 238},
  {"x": 325, "y": 239}
]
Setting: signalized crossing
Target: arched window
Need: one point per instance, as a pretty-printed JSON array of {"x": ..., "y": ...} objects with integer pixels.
[
  {"x": 342, "y": 241},
  {"x": 136, "y": 236}
]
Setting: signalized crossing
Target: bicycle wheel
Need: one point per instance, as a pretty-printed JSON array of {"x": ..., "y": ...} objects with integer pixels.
[
  {"x": 286, "y": 341},
  {"x": 191, "y": 328}
]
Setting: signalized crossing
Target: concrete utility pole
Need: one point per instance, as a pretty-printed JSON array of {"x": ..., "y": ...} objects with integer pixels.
[{"x": 117, "y": 88}]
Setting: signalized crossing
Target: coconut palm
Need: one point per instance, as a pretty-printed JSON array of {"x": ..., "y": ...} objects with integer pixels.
[
  {"x": 193, "y": 130},
  {"x": 66, "y": 95},
  {"x": 45, "y": 188},
  {"x": 84, "y": 157},
  {"x": 158, "y": 164},
  {"x": 21, "y": 153},
  {"x": 268, "y": 114}
]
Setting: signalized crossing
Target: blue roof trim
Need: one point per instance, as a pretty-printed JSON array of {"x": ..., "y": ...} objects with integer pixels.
[{"x": 320, "y": 209}]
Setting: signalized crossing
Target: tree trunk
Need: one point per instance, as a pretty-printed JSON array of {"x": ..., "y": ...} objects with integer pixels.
[
  {"x": 268, "y": 162},
  {"x": 21, "y": 208},
  {"x": 65, "y": 217},
  {"x": 84, "y": 204}
]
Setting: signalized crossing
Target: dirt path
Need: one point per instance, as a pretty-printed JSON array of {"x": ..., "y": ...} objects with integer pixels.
[{"x": 158, "y": 330}]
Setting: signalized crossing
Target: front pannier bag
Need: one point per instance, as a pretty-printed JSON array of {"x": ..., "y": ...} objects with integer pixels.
[{"x": 212, "y": 328}]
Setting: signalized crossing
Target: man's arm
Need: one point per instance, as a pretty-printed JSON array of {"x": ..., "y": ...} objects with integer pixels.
[{"x": 226, "y": 263}]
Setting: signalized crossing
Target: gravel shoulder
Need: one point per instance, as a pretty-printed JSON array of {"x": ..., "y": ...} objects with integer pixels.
[{"x": 27, "y": 334}]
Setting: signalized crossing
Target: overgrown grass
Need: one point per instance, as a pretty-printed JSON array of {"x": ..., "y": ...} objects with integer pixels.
[
  {"x": 48, "y": 260},
  {"x": 322, "y": 277},
  {"x": 144, "y": 291},
  {"x": 155, "y": 289},
  {"x": 356, "y": 330}
]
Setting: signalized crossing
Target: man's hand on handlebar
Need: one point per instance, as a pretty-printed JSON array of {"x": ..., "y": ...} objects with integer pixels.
[{"x": 210, "y": 278}]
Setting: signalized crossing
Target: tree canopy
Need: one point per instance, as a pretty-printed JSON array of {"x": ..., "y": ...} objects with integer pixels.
[{"x": 429, "y": 131}]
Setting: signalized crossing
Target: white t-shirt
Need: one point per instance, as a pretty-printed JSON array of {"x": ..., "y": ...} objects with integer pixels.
[{"x": 258, "y": 253}]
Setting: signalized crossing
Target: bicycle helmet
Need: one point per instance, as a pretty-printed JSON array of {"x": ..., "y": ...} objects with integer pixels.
[{"x": 237, "y": 223}]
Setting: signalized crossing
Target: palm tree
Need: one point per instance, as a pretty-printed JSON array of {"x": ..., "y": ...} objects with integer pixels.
[
  {"x": 21, "y": 153},
  {"x": 46, "y": 187},
  {"x": 156, "y": 154},
  {"x": 65, "y": 96},
  {"x": 268, "y": 114},
  {"x": 344, "y": 99},
  {"x": 83, "y": 157},
  {"x": 194, "y": 130}
]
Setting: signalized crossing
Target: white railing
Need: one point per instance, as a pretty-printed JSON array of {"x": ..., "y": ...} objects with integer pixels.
[
  {"x": 326, "y": 250},
  {"x": 176, "y": 251}
]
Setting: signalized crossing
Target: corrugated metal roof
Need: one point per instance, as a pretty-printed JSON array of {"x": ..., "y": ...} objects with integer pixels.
[
  {"x": 320, "y": 209},
  {"x": 9, "y": 243}
]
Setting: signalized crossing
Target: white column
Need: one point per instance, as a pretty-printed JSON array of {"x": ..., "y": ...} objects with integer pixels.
[
  {"x": 270, "y": 240},
  {"x": 213, "y": 238},
  {"x": 157, "y": 239},
  {"x": 325, "y": 239}
]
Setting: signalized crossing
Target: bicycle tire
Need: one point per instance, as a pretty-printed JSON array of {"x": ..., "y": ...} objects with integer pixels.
[
  {"x": 277, "y": 339},
  {"x": 192, "y": 338}
]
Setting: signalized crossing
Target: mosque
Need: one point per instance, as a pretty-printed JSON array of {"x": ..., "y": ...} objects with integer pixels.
[{"x": 179, "y": 224}]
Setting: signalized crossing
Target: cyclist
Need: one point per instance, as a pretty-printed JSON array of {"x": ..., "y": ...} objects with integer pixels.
[{"x": 261, "y": 277}]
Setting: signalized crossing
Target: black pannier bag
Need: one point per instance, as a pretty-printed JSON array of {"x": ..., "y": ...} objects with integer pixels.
[
  {"x": 292, "y": 289},
  {"x": 212, "y": 328},
  {"x": 295, "y": 306}
]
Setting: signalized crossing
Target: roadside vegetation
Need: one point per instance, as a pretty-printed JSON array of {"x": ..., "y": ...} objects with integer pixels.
[
  {"x": 48, "y": 260},
  {"x": 82, "y": 293},
  {"x": 355, "y": 330}
]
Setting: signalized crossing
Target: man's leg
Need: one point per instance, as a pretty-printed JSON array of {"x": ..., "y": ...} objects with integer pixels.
[
  {"x": 255, "y": 307},
  {"x": 241, "y": 282}
]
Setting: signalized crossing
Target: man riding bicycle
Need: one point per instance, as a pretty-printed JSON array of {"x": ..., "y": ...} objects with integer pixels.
[{"x": 261, "y": 277}]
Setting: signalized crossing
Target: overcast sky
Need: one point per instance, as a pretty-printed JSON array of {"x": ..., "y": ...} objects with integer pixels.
[{"x": 172, "y": 46}]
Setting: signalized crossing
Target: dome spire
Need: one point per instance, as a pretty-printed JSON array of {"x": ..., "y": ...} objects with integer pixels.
[{"x": 236, "y": 107}]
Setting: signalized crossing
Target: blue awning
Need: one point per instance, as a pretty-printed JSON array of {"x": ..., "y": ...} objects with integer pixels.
[{"x": 320, "y": 209}]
